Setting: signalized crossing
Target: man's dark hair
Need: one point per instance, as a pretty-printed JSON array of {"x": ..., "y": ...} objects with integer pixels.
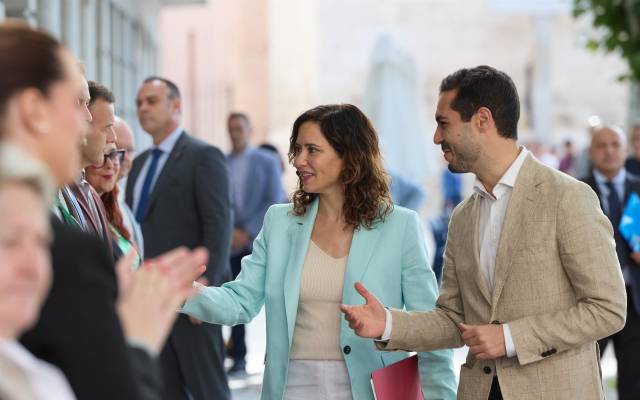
[
  {"x": 240, "y": 115},
  {"x": 100, "y": 92},
  {"x": 485, "y": 86},
  {"x": 174, "y": 92}
]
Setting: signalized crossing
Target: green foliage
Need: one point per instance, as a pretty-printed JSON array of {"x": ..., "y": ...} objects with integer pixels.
[{"x": 618, "y": 21}]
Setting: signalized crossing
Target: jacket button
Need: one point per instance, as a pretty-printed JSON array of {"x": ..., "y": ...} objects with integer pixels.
[
  {"x": 545, "y": 354},
  {"x": 347, "y": 349},
  {"x": 553, "y": 351},
  {"x": 487, "y": 370}
]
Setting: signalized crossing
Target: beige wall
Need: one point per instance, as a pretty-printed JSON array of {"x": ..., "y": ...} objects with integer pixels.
[
  {"x": 217, "y": 54},
  {"x": 276, "y": 58}
]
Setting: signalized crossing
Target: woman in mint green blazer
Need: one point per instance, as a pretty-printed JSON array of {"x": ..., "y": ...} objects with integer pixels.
[{"x": 342, "y": 206}]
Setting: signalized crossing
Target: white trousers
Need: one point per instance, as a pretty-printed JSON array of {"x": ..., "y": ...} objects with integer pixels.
[{"x": 317, "y": 380}]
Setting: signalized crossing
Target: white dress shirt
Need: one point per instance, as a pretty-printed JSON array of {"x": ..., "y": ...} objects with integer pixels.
[
  {"x": 166, "y": 146},
  {"x": 493, "y": 207},
  {"x": 44, "y": 380}
]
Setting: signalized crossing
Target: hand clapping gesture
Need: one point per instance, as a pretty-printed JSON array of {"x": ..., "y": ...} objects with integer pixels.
[{"x": 149, "y": 297}]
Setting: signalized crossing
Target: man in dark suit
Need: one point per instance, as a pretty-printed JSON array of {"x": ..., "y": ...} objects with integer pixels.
[
  {"x": 179, "y": 193},
  {"x": 613, "y": 185}
]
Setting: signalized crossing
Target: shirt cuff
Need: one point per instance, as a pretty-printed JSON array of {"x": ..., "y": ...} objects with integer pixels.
[
  {"x": 510, "y": 347},
  {"x": 386, "y": 335}
]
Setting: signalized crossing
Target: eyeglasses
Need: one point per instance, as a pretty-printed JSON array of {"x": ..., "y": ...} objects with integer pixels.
[{"x": 116, "y": 157}]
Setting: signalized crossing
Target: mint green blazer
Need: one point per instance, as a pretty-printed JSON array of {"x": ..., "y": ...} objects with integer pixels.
[{"x": 391, "y": 261}]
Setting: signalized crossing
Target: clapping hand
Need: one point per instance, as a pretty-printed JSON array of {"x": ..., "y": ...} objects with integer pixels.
[
  {"x": 367, "y": 320},
  {"x": 150, "y": 296}
]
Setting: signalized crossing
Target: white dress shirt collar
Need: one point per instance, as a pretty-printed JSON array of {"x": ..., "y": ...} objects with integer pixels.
[
  {"x": 508, "y": 180},
  {"x": 169, "y": 142},
  {"x": 617, "y": 180}
]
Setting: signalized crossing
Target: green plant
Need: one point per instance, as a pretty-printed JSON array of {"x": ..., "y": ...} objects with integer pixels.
[{"x": 618, "y": 24}]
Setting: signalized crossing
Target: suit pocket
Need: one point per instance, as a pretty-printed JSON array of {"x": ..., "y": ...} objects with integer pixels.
[{"x": 470, "y": 361}]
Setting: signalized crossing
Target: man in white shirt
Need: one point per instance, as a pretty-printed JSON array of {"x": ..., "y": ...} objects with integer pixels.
[{"x": 531, "y": 278}]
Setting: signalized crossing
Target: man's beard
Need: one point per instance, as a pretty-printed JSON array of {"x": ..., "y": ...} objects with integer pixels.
[{"x": 464, "y": 155}]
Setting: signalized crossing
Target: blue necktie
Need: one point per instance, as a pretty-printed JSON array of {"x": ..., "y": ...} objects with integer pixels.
[
  {"x": 615, "y": 208},
  {"x": 146, "y": 186}
]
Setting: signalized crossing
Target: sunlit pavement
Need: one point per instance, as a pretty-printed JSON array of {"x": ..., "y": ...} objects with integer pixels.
[{"x": 247, "y": 387}]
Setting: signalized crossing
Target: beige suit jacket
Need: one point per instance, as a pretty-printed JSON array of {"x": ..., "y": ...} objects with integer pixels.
[{"x": 558, "y": 285}]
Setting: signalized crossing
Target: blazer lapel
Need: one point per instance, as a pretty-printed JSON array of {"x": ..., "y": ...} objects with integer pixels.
[
  {"x": 363, "y": 245},
  {"x": 514, "y": 224},
  {"x": 473, "y": 237},
  {"x": 86, "y": 209},
  {"x": 299, "y": 236},
  {"x": 167, "y": 170}
]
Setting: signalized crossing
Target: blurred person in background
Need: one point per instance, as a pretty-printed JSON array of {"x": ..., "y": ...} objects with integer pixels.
[
  {"x": 273, "y": 149},
  {"x": 632, "y": 164},
  {"x": 180, "y": 192},
  {"x": 406, "y": 193},
  {"x": 614, "y": 184},
  {"x": 256, "y": 184},
  {"x": 566, "y": 162},
  {"x": 104, "y": 180},
  {"x": 125, "y": 141}
]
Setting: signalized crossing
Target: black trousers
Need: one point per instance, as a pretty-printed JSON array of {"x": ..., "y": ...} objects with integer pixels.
[
  {"x": 626, "y": 344},
  {"x": 237, "y": 349},
  {"x": 495, "y": 393}
]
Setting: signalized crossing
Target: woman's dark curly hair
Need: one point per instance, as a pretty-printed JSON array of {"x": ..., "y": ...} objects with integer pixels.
[{"x": 365, "y": 182}]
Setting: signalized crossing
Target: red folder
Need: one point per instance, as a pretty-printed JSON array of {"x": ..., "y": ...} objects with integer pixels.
[{"x": 398, "y": 381}]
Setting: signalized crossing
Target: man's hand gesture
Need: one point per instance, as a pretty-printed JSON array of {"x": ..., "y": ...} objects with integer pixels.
[
  {"x": 367, "y": 320},
  {"x": 486, "y": 342}
]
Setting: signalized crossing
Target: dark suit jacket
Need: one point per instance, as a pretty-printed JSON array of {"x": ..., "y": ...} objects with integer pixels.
[
  {"x": 79, "y": 330},
  {"x": 631, "y": 184},
  {"x": 190, "y": 205}
]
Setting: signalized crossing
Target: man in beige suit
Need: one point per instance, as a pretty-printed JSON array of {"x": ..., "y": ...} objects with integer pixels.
[{"x": 531, "y": 279}]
